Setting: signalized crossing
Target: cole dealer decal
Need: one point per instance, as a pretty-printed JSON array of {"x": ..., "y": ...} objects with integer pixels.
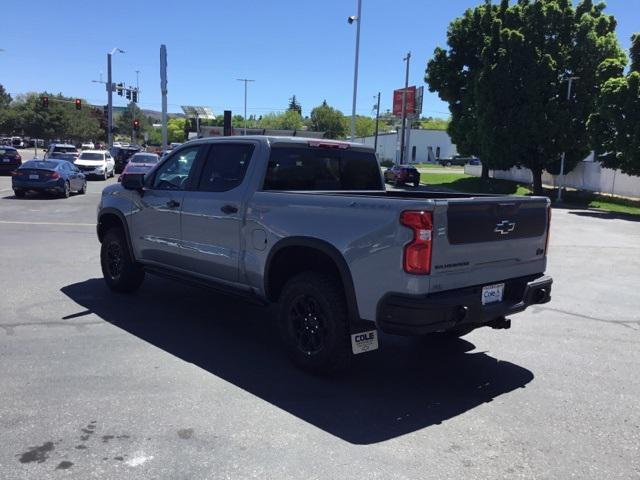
[{"x": 364, "y": 341}]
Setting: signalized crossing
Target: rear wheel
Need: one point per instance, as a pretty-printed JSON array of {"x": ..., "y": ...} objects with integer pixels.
[
  {"x": 121, "y": 273},
  {"x": 314, "y": 323},
  {"x": 19, "y": 193},
  {"x": 416, "y": 183}
]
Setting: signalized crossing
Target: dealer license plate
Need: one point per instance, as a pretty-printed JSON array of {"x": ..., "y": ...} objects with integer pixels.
[
  {"x": 34, "y": 177},
  {"x": 492, "y": 293}
]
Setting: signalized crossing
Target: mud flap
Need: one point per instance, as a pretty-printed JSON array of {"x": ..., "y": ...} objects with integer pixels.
[{"x": 364, "y": 337}]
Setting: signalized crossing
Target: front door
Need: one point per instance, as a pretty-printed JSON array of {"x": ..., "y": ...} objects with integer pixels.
[
  {"x": 212, "y": 212},
  {"x": 156, "y": 214}
]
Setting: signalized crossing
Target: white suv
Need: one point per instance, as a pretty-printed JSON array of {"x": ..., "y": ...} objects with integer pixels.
[{"x": 98, "y": 163}]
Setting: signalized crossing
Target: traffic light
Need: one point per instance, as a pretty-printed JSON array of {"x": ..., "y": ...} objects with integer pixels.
[
  {"x": 128, "y": 94},
  {"x": 105, "y": 111},
  {"x": 45, "y": 102},
  {"x": 134, "y": 96},
  {"x": 136, "y": 124},
  {"x": 78, "y": 104},
  {"x": 119, "y": 88}
]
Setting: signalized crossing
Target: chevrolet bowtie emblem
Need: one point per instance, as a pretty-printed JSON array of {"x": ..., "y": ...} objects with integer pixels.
[{"x": 505, "y": 227}]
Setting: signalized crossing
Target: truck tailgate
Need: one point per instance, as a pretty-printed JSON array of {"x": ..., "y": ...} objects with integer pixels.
[{"x": 479, "y": 240}]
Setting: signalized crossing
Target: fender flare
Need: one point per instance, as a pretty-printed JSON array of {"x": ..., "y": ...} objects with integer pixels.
[
  {"x": 123, "y": 221},
  {"x": 329, "y": 250}
]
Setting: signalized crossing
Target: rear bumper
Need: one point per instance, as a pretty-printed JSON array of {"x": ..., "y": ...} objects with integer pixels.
[
  {"x": 420, "y": 314},
  {"x": 9, "y": 167},
  {"x": 51, "y": 185}
]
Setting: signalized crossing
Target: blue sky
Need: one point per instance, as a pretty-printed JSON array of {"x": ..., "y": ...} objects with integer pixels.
[{"x": 289, "y": 47}]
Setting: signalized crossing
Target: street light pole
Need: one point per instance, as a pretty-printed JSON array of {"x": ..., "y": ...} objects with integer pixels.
[
  {"x": 404, "y": 106},
  {"x": 245, "y": 80},
  {"x": 375, "y": 141},
  {"x": 357, "y": 19},
  {"x": 561, "y": 176},
  {"x": 110, "y": 97}
]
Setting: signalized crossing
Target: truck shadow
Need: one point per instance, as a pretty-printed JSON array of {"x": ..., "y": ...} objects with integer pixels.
[{"x": 406, "y": 386}]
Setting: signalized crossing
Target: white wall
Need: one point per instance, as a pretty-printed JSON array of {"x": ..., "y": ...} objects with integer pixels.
[
  {"x": 389, "y": 144},
  {"x": 588, "y": 175}
]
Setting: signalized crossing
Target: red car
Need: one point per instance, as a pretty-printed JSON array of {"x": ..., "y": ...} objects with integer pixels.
[
  {"x": 139, "y": 164},
  {"x": 402, "y": 174}
]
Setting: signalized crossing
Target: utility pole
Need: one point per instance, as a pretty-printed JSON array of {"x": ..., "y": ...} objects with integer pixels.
[
  {"x": 404, "y": 106},
  {"x": 357, "y": 18},
  {"x": 245, "y": 80},
  {"x": 110, "y": 96},
  {"x": 163, "y": 90},
  {"x": 375, "y": 141},
  {"x": 561, "y": 176},
  {"x": 133, "y": 130}
]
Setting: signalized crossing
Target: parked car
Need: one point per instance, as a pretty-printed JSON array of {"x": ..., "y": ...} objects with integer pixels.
[
  {"x": 17, "y": 142},
  {"x": 87, "y": 146},
  {"x": 307, "y": 224},
  {"x": 121, "y": 155},
  {"x": 10, "y": 159},
  {"x": 52, "y": 176},
  {"x": 96, "y": 163},
  {"x": 62, "y": 151},
  {"x": 402, "y": 174},
  {"x": 456, "y": 160},
  {"x": 139, "y": 164}
]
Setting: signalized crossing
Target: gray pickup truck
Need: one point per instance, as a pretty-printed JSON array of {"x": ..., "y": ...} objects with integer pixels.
[{"x": 307, "y": 224}]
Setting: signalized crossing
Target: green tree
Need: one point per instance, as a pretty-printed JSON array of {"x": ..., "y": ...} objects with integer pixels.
[
  {"x": 5, "y": 98},
  {"x": 615, "y": 126},
  {"x": 295, "y": 106},
  {"x": 175, "y": 130},
  {"x": 329, "y": 120},
  {"x": 431, "y": 123},
  {"x": 503, "y": 76},
  {"x": 124, "y": 121}
]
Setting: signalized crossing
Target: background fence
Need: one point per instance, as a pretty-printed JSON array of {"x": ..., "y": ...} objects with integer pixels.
[{"x": 587, "y": 175}]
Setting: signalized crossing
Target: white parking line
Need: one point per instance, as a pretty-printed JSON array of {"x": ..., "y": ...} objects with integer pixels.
[{"x": 11, "y": 222}]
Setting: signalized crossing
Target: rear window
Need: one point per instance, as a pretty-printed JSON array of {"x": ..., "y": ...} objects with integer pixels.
[
  {"x": 39, "y": 164},
  {"x": 9, "y": 151},
  {"x": 92, "y": 156},
  {"x": 65, "y": 150},
  {"x": 144, "y": 158},
  {"x": 306, "y": 168}
]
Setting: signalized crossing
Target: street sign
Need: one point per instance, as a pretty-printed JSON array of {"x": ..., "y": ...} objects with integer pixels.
[{"x": 411, "y": 102}]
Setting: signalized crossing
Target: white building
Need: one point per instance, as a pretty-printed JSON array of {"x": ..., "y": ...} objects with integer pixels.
[{"x": 424, "y": 145}]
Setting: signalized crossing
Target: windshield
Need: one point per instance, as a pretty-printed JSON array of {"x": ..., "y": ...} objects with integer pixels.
[
  {"x": 91, "y": 156},
  {"x": 144, "y": 158},
  {"x": 304, "y": 168}
]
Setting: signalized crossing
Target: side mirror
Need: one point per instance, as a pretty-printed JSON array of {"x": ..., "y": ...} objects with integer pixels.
[{"x": 133, "y": 182}]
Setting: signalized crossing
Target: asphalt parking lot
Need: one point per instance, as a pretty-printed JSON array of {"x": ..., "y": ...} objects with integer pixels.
[{"x": 176, "y": 382}]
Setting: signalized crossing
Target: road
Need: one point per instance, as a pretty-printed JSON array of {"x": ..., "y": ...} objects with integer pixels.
[{"x": 179, "y": 383}]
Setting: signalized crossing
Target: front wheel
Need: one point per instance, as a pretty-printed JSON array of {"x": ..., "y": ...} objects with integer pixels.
[
  {"x": 416, "y": 183},
  {"x": 19, "y": 193},
  {"x": 83, "y": 190},
  {"x": 105, "y": 176},
  {"x": 121, "y": 273},
  {"x": 66, "y": 192},
  {"x": 314, "y": 323}
]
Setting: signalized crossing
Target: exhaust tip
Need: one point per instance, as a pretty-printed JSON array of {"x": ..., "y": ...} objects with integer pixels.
[
  {"x": 541, "y": 295},
  {"x": 460, "y": 313}
]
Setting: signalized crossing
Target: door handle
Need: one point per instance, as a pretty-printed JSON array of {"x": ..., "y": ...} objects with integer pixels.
[
  {"x": 173, "y": 203},
  {"x": 229, "y": 209}
]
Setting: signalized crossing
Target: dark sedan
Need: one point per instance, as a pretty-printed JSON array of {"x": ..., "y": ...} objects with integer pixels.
[
  {"x": 10, "y": 159},
  {"x": 52, "y": 176},
  {"x": 140, "y": 164},
  {"x": 402, "y": 174}
]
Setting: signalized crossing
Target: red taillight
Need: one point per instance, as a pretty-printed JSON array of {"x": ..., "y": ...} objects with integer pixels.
[
  {"x": 54, "y": 175},
  {"x": 546, "y": 242},
  {"x": 417, "y": 253}
]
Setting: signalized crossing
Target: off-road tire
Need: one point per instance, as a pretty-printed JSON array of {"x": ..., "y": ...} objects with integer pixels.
[
  {"x": 121, "y": 273},
  {"x": 314, "y": 323}
]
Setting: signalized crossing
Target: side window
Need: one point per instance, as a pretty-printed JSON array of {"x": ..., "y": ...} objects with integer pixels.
[
  {"x": 65, "y": 166},
  {"x": 225, "y": 167},
  {"x": 174, "y": 173}
]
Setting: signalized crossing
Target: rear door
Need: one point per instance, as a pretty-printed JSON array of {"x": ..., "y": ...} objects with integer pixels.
[
  {"x": 212, "y": 212},
  {"x": 478, "y": 240},
  {"x": 156, "y": 216}
]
